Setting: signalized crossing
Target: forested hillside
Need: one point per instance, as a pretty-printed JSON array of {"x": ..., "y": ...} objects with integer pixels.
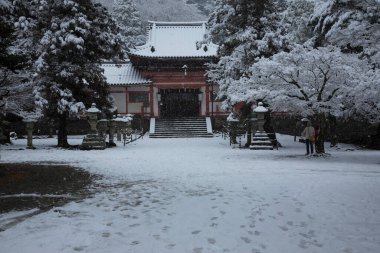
[{"x": 170, "y": 10}]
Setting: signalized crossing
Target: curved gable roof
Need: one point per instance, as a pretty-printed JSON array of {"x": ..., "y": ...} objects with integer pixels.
[
  {"x": 175, "y": 40},
  {"x": 123, "y": 74}
]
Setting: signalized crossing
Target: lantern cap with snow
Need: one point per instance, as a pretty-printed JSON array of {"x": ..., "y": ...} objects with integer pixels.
[
  {"x": 260, "y": 110},
  {"x": 93, "y": 109},
  {"x": 232, "y": 117}
]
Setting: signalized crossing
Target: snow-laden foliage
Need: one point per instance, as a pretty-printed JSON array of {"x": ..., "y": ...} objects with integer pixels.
[
  {"x": 129, "y": 20},
  {"x": 353, "y": 25},
  {"x": 245, "y": 30},
  {"x": 16, "y": 87},
  {"x": 309, "y": 82},
  {"x": 169, "y": 10},
  {"x": 296, "y": 17},
  {"x": 323, "y": 56}
]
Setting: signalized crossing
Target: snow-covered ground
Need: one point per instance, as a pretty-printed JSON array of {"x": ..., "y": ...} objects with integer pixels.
[{"x": 200, "y": 195}]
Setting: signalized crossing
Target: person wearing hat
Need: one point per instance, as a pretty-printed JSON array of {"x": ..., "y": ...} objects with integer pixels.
[{"x": 309, "y": 136}]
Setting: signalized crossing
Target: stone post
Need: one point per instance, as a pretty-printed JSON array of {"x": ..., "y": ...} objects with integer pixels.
[
  {"x": 118, "y": 127},
  {"x": 111, "y": 126},
  {"x": 29, "y": 129}
]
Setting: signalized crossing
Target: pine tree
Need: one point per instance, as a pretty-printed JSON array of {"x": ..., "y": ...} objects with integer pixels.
[
  {"x": 76, "y": 36},
  {"x": 129, "y": 20}
]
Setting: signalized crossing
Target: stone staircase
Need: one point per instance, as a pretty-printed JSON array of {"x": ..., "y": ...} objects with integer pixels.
[
  {"x": 261, "y": 141},
  {"x": 180, "y": 128}
]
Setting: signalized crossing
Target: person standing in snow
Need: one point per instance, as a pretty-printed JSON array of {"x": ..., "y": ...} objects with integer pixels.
[{"x": 309, "y": 135}]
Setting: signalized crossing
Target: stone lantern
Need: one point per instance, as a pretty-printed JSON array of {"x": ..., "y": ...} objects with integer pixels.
[
  {"x": 92, "y": 140},
  {"x": 260, "y": 111},
  {"x": 92, "y": 116},
  {"x": 29, "y": 129},
  {"x": 125, "y": 126},
  {"x": 260, "y": 140}
]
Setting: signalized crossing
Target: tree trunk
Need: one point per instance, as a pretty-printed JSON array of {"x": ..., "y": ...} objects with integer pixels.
[
  {"x": 320, "y": 141},
  {"x": 62, "y": 131},
  {"x": 249, "y": 134},
  {"x": 332, "y": 127}
]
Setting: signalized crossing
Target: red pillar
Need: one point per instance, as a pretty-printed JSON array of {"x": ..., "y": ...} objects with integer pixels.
[
  {"x": 151, "y": 100},
  {"x": 126, "y": 100},
  {"x": 207, "y": 93}
]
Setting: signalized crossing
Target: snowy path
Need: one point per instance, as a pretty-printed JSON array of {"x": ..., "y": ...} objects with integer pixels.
[{"x": 199, "y": 195}]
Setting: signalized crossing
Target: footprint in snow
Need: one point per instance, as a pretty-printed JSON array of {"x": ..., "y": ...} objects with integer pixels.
[
  {"x": 106, "y": 234},
  {"x": 170, "y": 246},
  {"x": 211, "y": 240},
  {"x": 246, "y": 239},
  {"x": 80, "y": 248},
  {"x": 283, "y": 228},
  {"x": 198, "y": 250}
]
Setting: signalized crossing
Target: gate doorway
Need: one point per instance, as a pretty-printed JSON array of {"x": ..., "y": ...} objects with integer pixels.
[{"x": 179, "y": 103}]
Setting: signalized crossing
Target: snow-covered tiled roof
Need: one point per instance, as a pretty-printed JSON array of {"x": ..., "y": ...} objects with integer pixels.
[
  {"x": 123, "y": 74},
  {"x": 175, "y": 40}
]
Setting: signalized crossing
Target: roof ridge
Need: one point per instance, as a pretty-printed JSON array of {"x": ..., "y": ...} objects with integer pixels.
[{"x": 180, "y": 23}]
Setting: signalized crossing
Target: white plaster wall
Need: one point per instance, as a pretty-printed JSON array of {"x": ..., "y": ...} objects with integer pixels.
[{"x": 120, "y": 101}]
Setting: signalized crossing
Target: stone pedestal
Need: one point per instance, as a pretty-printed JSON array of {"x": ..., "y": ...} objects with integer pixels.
[
  {"x": 102, "y": 127},
  {"x": 29, "y": 130},
  {"x": 93, "y": 140},
  {"x": 111, "y": 126},
  {"x": 118, "y": 127}
]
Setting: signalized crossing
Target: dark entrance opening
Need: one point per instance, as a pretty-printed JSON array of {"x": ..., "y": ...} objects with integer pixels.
[{"x": 179, "y": 103}]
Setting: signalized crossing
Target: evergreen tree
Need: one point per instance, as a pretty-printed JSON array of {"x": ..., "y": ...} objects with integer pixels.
[
  {"x": 245, "y": 30},
  {"x": 15, "y": 79},
  {"x": 76, "y": 36},
  {"x": 129, "y": 20},
  {"x": 296, "y": 17},
  {"x": 352, "y": 25}
]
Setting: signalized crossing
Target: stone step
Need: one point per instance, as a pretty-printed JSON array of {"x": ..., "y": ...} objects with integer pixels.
[
  {"x": 260, "y": 138},
  {"x": 180, "y": 128},
  {"x": 181, "y": 136},
  {"x": 262, "y": 143},
  {"x": 255, "y": 147},
  {"x": 180, "y": 125}
]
